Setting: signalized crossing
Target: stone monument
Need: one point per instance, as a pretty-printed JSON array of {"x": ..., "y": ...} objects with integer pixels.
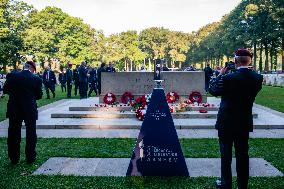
[
  {"x": 157, "y": 151},
  {"x": 141, "y": 83}
]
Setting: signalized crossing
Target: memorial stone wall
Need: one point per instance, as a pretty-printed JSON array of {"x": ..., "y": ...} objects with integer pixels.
[{"x": 141, "y": 83}]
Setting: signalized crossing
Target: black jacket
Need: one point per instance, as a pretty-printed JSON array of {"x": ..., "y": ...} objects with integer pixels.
[
  {"x": 23, "y": 89},
  {"x": 62, "y": 78},
  {"x": 51, "y": 80},
  {"x": 83, "y": 74},
  {"x": 99, "y": 73},
  {"x": 208, "y": 73},
  {"x": 69, "y": 75},
  {"x": 93, "y": 76},
  {"x": 238, "y": 91},
  {"x": 110, "y": 69},
  {"x": 76, "y": 76}
]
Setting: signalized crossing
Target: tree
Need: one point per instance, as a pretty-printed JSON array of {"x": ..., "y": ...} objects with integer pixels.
[{"x": 13, "y": 20}]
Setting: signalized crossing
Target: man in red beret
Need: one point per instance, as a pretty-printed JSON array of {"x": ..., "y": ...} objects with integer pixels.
[
  {"x": 24, "y": 89},
  {"x": 238, "y": 90}
]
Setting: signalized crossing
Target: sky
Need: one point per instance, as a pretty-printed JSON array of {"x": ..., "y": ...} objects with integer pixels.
[{"x": 115, "y": 16}]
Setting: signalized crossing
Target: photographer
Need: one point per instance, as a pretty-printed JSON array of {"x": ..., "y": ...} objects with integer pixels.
[{"x": 238, "y": 90}]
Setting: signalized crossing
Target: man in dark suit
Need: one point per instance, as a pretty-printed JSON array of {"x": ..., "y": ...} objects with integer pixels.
[
  {"x": 69, "y": 79},
  {"x": 110, "y": 68},
  {"x": 93, "y": 82},
  {"x": 49, "y": 81},
  {"x": 208, "y": 74},
  {"x": 99, "y": 73},
  {"x": 83, "y": 80},
  {"x": 23, "y": 89},
  {"x": 76, "y": 79},
  {"x": 62, "y": 80},
  {"x": 234, "y": 122}
]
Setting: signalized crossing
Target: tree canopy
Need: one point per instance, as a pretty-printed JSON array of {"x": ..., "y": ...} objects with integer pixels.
[{"x": 51, "y": 34}]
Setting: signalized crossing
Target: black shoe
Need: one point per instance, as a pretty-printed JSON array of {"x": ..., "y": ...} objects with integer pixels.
[
  {"x": 14, "y": 162},
  {"x": 31, "y": 161}
]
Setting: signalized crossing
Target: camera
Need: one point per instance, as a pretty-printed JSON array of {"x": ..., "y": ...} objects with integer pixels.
[{"x": 230, "y": 66}]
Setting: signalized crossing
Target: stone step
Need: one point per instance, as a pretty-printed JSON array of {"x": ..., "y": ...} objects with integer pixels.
[
  {"x": 197, "y": 167},
  {"x": 127, "y": 123},
  {"x": 128, "y": 108},
  {"x": 128, "y": 114}
]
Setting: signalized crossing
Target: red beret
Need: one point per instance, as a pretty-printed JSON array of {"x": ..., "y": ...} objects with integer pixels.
[
  {"x": 243, "y": 52},
  {"x": 32, "y": 64}
]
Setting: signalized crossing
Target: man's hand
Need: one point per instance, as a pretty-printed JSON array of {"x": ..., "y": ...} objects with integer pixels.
[{"x": 223, "y": 71}]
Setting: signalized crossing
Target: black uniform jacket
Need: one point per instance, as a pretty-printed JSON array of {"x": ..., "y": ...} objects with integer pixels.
[
  {"x": 23, "y": 89},
  {"x": 238, "y": 91}
]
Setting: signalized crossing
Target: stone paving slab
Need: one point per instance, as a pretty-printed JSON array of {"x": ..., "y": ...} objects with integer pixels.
[
  {"x": 98, "y": 123},
  {"x": 133, "y": 133},
  {"x": 128, "y": 114},
  {"x": 198, "y": 167}
]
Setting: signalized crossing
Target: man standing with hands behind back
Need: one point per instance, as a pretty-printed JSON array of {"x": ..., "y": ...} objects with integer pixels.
[
  {"x": 24, "y": 89},
  {"x": 234, "y": 122}
]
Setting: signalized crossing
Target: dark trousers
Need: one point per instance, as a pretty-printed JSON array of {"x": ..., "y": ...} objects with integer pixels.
[
  {"x": 50, "y": 87},
  {"x": 207, "y": 84},
  {"x": 14, "y": 138},
  {"x": 93, "y": 87},
  {"x": 100, "y": 87},
  {"x": 83, "y": 89},
  {"x": 69, "y": 89},
  {"x": 63, "y": 87},
  {"x": 240, "y": 141},
  {"x": 76, "y": 84}
]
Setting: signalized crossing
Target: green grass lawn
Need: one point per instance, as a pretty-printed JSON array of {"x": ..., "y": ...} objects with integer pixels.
[
  {"x": 19, "y": 176},
  {"x": 272, "y": 97},
  {"x": 59, "y": 96}
]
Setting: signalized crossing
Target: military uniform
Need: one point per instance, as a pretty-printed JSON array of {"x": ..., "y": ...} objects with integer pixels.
[
  {"x": 83, "y": 81},
  {"x": 49, "y": 81},
  {"x": 99, "y": 73},
  {"x": 93, "y": 82},
  {"x": 69, "y": 78},
  {"x": 62, "y": 81},
  {"x": 23, "y": 89},
  {"x": 76, "y": 81},
  {"x": 234, "y": 121}
]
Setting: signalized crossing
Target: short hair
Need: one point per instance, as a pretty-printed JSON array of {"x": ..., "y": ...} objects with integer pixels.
[
  {"x": 243, "y": 59},
  {"x": 103, "y": 65},
  {"x": 27, "y": 66}
]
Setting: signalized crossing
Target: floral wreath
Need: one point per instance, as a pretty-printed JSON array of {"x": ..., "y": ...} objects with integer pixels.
[
  {"x": 109, "y": 98},
  {"x": 172, "y": 97},
  {"x": 140, "y": 102},
  {"x": 127, "y": 98},
  {"x": 195, "y": 97},
  {"x": 140, "y": 114}
]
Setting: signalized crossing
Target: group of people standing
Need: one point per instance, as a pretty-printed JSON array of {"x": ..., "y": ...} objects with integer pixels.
[{"x": 83, "y": 77}]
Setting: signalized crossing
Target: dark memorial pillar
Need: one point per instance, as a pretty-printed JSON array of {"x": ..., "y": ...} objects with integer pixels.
[{"x": 157, "y": 151}]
